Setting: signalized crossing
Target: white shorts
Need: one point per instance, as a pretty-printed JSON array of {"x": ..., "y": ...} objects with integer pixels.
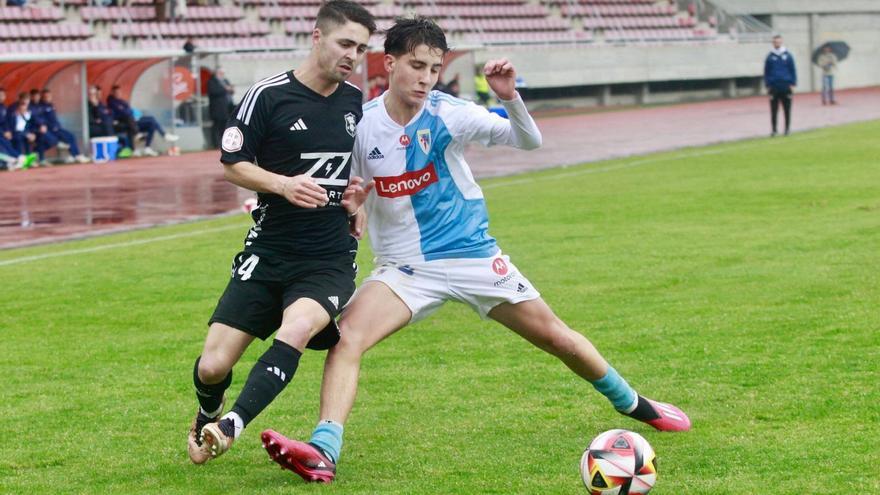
[{"x": 481, "y": 283}]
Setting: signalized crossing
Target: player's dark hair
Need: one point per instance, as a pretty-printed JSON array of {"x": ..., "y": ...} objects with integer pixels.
[
  {"x": 338, "y": 12},
  {"x": 777, "y": 36},
  {"x": 408, "y": 33},
  {"x": 35, "y": 91}
]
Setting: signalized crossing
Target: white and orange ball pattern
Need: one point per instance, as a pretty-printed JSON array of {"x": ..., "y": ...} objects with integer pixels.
[{"x": 619, "y": 462}]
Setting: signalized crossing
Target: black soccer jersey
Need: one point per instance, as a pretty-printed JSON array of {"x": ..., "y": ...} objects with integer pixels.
[{"x": 284, "y": 127}]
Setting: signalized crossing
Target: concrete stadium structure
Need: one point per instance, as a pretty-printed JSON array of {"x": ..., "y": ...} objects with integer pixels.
[
  {"x": 806, "y": 24},
  {"x": 602, "y": 72}
]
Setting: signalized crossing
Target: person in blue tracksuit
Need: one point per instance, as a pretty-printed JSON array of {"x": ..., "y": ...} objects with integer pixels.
[
  {"x": 780, "y": 78},
  {"x": 124, "y": 121},
  {"x": 55, "y": 132}
]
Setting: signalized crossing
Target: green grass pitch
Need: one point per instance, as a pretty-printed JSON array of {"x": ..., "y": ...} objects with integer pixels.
[{"x": 739, "y": 281}]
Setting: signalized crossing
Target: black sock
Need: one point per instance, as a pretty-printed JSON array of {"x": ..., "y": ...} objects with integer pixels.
[
  {"x": 643, "y": 411},
  {"x": 210, "y": 396},
  {"x": 267, "y": 379},
  {"x": 774, "y": 111}
]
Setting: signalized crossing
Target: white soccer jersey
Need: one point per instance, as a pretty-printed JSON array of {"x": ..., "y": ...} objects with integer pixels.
[{"x": 427, "y": 205}]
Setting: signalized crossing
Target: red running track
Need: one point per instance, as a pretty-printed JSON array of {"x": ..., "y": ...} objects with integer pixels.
[{"x": 52, "y": 204}]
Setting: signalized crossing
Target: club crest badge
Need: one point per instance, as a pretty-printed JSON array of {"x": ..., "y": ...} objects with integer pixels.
[
  {"x": 350, "y": 124},
  {"x": 232, "y": 140},
  {"x": 424, "y": 138}
]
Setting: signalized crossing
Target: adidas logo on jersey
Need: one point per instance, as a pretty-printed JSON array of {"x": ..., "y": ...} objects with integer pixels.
[
  {"x": 375, "y": 154},
  {"x": 299, "y": 125}
]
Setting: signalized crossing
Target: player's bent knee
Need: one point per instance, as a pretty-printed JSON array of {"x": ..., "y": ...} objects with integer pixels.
[
  {"x": 213, "y": 369},
  {"x": 350, "y": 341},
  {"x": 296, "y": 332}
]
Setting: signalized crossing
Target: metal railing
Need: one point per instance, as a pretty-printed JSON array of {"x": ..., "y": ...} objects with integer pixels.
[{"x": 726, "y": 20}]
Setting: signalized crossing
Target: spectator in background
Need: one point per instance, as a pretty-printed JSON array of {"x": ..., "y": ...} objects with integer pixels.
[
  {"x": 101, "y": 121},
  {"x": 454, "y": 87},
  {"x": 189, "y": 46},
  {"x": 178, "y": 9},
  {"x": 64, "y": 138},
  {"x": 24, "y": 129},
  {"x": 45, "y": 140},
  {"x": 122, "y": 117},
  {"x": 124, "y": 121},
  {"x": 828, "y": 62},
  {"x": 780, "y": 78},
  {"x": 161, "y": 14},
  {"x": 10, "y": 156},
  {"x": 451, "y": 88},
  {"x": 34, "y": 102},
  {"x": 220, "y": 93},
  {"x": 15, "y": 3},
  {"x": 481, "y": 87},
  {"x": 23, "y": 96}
]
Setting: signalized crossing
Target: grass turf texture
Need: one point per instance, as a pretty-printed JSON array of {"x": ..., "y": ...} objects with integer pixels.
[{"x": 738, "y": 281}]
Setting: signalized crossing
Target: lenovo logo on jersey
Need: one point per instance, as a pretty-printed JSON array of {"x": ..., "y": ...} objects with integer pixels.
[{"x": 406, "y": 184}]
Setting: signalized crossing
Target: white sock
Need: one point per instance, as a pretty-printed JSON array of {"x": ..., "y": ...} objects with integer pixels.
[
  {"x": 236, "y": 421},
  {"x": 213, "y": 414}
]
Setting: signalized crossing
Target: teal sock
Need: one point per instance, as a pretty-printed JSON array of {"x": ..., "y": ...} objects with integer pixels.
[
  {"x": 328, "y": 437},
  {"x": 615, "y": 388}
]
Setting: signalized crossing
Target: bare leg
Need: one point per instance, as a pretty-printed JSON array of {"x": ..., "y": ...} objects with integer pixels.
[
  {"x": 301, "y": 321},
  {"x": 224, "y": 346},
  {"x": 375, "y": 313},
  {"x": 535, "y": 321}
]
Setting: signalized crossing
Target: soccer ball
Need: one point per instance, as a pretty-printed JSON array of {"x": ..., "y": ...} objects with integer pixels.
[{"x": 619, "y": 462}]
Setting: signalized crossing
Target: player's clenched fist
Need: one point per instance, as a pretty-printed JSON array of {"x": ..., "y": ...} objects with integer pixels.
[{"x": 501, "y": 77}]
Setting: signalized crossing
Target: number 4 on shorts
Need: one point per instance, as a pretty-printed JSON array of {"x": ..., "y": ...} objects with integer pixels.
[{"x": 247, "y": 267}]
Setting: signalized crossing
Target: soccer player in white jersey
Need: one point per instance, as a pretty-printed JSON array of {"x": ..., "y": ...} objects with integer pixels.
[{"x": 428, "y": 227}]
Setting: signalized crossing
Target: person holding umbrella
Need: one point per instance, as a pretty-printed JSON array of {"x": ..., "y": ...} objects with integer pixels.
[
  {"x": 780, "y": 78},
  {"x": 828, "y": 62},
  {"x": 827, "y": 57}
]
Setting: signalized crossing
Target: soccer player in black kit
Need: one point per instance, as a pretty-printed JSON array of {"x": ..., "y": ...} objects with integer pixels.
[{"x": 290, "y": 140}]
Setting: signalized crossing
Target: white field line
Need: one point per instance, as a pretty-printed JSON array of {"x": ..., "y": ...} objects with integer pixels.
[
  {"x": 512, "y": 181},
  {"x": 637, "y": 163},
  {"x": 138, "y": 242}
]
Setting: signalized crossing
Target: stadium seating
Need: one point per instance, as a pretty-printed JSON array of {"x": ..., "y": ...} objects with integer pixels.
[
  {"x": 43, "y": 31},
  {"x": 252, "y": 43},
  {"x": 279, "y": 24},
  {"x": 30, "y": 14},
  {"x": 113, "y": 14},
  {"x": 313, "y": 3},
  {"x": 199, "y": 29},
  {"x": 60, "y": 46}
]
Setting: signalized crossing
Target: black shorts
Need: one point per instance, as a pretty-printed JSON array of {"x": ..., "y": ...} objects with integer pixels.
[{"x": 262, "y": 287}]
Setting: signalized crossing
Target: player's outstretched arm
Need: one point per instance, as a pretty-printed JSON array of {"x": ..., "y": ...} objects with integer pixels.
[
  {"x": 521, "y": 132},
  {"x": 300, "y": 190}
]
